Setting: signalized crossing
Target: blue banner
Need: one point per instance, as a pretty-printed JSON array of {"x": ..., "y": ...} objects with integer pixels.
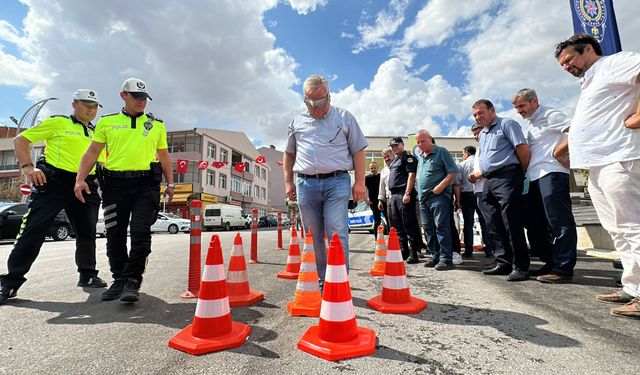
[{"x": 596, "y": 17}]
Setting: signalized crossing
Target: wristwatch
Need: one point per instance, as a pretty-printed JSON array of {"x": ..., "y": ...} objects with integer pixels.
[{"x": 171, "y": 186}]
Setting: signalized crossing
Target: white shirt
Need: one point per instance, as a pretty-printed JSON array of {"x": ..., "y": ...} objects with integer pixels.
[
  {"x": 466, "y": 167},
  {"x": 478, "y": 185},
  {"x": 546, "y": 130},
  {"x": 609, "y": 95},
  {"x": 383, "y": 191}
]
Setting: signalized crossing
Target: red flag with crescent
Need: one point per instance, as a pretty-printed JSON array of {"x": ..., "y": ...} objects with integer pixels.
[
  {"x": 261, "y": 159},
  {"x": 203, "y": 164},
  {"x": 218, "y": 164},
  {"x": 183, "y": 165},
  {"x": 280, "y": 163},
  {"x": 240, "y": 167}
]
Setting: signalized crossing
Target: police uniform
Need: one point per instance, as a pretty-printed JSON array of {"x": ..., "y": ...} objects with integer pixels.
[
  {"x": 66, "y": 140},
  {"x": 403, "y": 216},
  {"x": 131, "y": 188}
]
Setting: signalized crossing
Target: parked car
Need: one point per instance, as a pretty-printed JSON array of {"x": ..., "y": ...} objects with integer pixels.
[
  {"x": 225, "y": 216},
  {"x": 361, "y": 218},
  {"x": 11, "y": 219},
  {"x": 166, "y": 222},
  {"x": 267, "y": 221},
  {"x": 247, "y": 221}
]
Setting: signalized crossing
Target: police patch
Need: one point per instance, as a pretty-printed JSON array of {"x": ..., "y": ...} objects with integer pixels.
[
  {"x": 140, "y": 85},
  {"x": 409, "y": 159}
]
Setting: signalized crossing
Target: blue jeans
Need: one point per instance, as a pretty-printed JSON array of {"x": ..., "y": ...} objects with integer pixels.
[
  {"x": 435, "y": 212},
  {"x": 324, "y": 207}
]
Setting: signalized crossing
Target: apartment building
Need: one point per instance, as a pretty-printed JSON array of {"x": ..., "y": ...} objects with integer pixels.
[{"x": 275, "y": 191}]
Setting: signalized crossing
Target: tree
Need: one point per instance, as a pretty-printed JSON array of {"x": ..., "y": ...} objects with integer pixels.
[{"x": 10, "y": 190}]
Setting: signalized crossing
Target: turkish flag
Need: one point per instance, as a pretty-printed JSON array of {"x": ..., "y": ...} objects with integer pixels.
[
  {"x": 261, "y": 159},
  {"x": 218, "y": 164},
  {"x": 183, "y": 165},
  {"x": 280, "y": 163},
  {"x": 240, "y": 167},
  {"x": 203, "y": 164}
]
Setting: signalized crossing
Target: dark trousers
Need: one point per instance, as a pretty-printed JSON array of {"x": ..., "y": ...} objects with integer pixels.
[
  {"x": 552, "y": 228},
  {"x": 127, "y": 201},
  {"x": 43, "y": 209},
  {"x": 406, "y": 223},
  {"x": 377, "y": 219},
  {"x": 502, "y": 198},
  {"x": 470, "y": 206},
  {"x": 486, "y": 237}
]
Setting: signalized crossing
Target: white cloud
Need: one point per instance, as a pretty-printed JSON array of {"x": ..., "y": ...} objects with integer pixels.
[
  {"x": 386, "y": 24},
  {"x": 306, "y": 6},
  {"x": 216, "y": 67}
]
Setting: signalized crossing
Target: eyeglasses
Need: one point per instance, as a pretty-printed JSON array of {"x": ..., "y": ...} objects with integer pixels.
[
  {"x": 394, "y": 145},
  {"x": 317, "y": 103}
]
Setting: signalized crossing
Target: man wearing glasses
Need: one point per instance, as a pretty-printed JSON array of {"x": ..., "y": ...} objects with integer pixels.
[
  {"x": 53, "y": 176},
  {"x": 323, "y": 145}
]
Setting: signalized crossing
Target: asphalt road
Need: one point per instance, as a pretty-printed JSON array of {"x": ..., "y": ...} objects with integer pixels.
[{"x": 474, "y": 324}]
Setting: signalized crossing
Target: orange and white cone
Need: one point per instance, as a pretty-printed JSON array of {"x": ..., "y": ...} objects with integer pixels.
[
  {"x": 212, "y": 329},
  {"x": 307, "y": 300},
  {"x": 240, "y": 294},
  {"x": 396, "y": 297},
  {"x": 380, "y": 254},
  {"x": 337, "y": 336},
  {"x": 293, "y": 259}
]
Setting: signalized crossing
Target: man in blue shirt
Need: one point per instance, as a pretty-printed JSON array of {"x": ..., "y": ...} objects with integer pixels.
[
  {"x": 323, "y": 145},
  {"x": 504, "y": 157},
  {"x": 436, "y": 172}
]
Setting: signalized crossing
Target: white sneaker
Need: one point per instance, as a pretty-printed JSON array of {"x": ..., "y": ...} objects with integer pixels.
[{"x": 457, "y": 259}]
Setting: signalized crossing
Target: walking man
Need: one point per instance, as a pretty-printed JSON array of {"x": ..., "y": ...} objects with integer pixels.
[
  {"x": 372, "y": 183},
  {"x": 131, "y": 185},
  {"x": 605, "y": 138},
  {"x": 323, "y": 145}
]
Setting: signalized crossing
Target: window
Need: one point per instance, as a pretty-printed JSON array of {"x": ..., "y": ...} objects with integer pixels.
[
  {"x": 264, "y": 193},
  {"x": 257, "y": 171},
  {"x": 236, "y": 185},
  {"x": 257, "y": 191},
  {"x": 211, "y": 151},
  {"x": 211, "y": 178},
  {"x": 264, "y": 174},
  {"x": 222, "y": 181},
  {"x": 246, "y": 188},
  {"x": 224, "y": 155}
]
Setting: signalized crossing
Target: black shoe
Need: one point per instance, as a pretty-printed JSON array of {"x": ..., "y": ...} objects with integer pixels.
[
  {"x": 6, "y": 293},
  {"x": 499, "y": 269},
  {"x": 517, "y": 275},
  {"x": 445, "y": 264},
  {"x": 431, "y": 263},
  {"x": 412, "y": 260},
  {"x": 421, "y": 255},
  {"x": 130, "y": 293},
  {"x": 92, "y": 282},
  {"x": 541, "y": 271},
  {"x": 115, "y": 291},
  {"x": 467, "y": 254}
]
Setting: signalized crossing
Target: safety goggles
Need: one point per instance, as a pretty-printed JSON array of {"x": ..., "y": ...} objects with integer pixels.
[{"x": 318, "y": 103}]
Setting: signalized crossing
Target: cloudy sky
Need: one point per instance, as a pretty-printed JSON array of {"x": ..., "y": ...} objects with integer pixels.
[{"x": 397, "y": 65}]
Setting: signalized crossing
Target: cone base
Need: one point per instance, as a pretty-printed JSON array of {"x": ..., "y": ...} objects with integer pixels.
[
  {"x": 186, "y": 342},
  {"x": 246, "y": 299},
  {"x": 189, "y": 294},
  {"x": 298, "y": 310},
  {"x": 287, "y": 275},
  {"x": 374, "y": 272},
  {"x": 363, "y": 344},
  {"x": 412, "y": 307}
]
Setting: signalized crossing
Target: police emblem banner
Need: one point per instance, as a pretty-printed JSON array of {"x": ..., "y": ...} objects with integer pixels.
[{"x": 597, "y": 18}]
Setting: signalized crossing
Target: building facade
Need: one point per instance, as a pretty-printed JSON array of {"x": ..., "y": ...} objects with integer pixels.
[{"x": 275, "y": 191}]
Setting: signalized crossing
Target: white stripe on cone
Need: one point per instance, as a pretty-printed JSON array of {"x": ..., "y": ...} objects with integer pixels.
[
  {"x": 237, "y": 277},
  {"x": 379, "y": 258},
  {"x": 336, "y": 274},
  {"x": 213, "y": 308},
  {"x": 395, "y": 282},
  {"x": 394, "y": 256},
  {"x": 307, "y": 286},
  {"x": 293, "y": 259},
  {"x": 337, "y": 311},
  {"x": 213, "y": 272},
  {"x": 308, "y": 267},
  {"x": 237, "y": 251}
]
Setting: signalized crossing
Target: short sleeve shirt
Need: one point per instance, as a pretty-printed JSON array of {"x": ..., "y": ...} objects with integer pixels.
[
  {"x": 466, "y": 167},
  {"x": 399, "y": 170},
  {"x": 498, "y": 143},
  {"x": 609, "y": 95},
  {"x": 433, "y": 168},
  {"x": 66, "y": 140},
  {"x": 547, "y": 127},
  {"x": 132, "y": 142},
  {"x": 324, "y": 145}
]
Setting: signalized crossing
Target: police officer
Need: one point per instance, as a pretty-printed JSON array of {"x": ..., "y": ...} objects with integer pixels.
[
  {"x": 402, "y": 179},
  {"x": 53, "y": 177},
  {"x": 131, "y": 185}
]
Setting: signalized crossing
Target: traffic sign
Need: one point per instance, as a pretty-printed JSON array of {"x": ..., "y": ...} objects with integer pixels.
[{"x": 25, "y": 189}]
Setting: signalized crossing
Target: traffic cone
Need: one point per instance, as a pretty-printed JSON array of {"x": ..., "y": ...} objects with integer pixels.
[
  {"x": 337, "y": 336},
  {"x": 380, "y": 254},
  {"x": 212, "y": 329},
  {"x": 240, "y": 294},
  {"x": 307, "y": 300},
  {"x": 395, "y": 297},
  {"x": 293, "y": 259}
]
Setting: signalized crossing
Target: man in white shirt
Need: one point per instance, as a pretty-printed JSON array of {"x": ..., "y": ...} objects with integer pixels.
[
  {"x": 604, "y": 138},
  {"x": 384, "y": 194},
  {"x": 552, "y": 228}
]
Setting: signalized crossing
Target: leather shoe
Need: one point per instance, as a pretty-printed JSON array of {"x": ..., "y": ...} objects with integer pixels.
[
  {"x": 555, "y": 278},
  {"x": 499, "y": 269},
  {"x": 412, "y": 259},
  {"x": 541, "y": 271},
  {"x": 518, "y": 275}
]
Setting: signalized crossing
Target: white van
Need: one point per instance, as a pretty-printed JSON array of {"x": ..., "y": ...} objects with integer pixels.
[{"x": 225, "y": 216}]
